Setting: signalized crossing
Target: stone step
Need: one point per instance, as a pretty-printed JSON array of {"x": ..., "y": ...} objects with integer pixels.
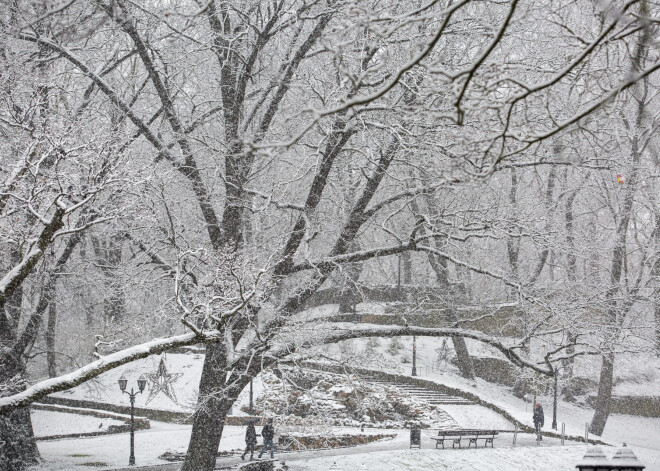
[
  {"x": 454, "y": 400},
  {"x": 430, "y": 396}
]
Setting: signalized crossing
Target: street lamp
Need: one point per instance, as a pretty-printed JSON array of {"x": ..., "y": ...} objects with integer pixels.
[
  {"x": 554, "y": 405},
  {"x": 251, "y": 395},
  {"x": 142, "y": 382},
  {"x": 414, "y": 359},
  {"x": 398, "y": 279}
]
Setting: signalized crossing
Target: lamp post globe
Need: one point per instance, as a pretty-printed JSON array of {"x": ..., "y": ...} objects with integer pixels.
[
  {"x": 142, "y": 382},
  {"x": 122, "y": 383}
]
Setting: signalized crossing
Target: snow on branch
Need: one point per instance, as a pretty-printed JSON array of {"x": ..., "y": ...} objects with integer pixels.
[
  {"x": 103, "y": 86},
  {"x": 389, "y": 85},
  {"x": 329, "y": 262},
  {"x": 279, "y": 350},
  {"x": 12, "y": 280},
  {"x": 509, "y": 351},
  {"x": 106, "y": 363}
]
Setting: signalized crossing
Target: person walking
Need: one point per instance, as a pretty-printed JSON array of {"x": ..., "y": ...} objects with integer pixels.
[
  {"x": 268, "y": 432},
  {"x": 250, "y": 441},
  {"x": 538, "y": 418}
]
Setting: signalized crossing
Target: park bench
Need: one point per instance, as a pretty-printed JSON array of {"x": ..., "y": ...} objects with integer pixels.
[{"x": 472, "y": 435}]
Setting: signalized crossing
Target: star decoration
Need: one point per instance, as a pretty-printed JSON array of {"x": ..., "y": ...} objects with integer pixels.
[
  {"x": 444, "y": 354},
  {"x": 162, "y": 381}
]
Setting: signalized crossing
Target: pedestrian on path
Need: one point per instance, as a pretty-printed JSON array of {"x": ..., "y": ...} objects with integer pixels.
[
  {"x": 538, "y": 418},
  {"x": 250, "y": 441},
  {"x": 268, "y": 432}
]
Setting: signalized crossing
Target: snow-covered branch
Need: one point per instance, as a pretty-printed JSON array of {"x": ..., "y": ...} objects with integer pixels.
[
  {"x": 13, "y": 279},
  {"x": 97, "y": 367}
]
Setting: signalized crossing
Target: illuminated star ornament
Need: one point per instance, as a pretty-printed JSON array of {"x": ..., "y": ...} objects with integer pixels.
[
  {"x": 162, "y": 381},
  {"x": 619, "y": 178}
]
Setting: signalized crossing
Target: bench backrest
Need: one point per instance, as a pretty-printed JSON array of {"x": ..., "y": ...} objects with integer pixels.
[{"x": 462, "y": 432}]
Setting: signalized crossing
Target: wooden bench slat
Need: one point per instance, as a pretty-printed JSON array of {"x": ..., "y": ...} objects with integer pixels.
[{"x": 473, "y": 436}]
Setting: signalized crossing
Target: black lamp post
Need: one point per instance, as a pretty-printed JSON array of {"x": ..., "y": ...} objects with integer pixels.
[
  {"x": 398, "y": 278},
  {"x": 251, "y": 396},
  {"x": 142, "y": 382},
  {"x": 554, "y": 405},
  {"x": 414, "y": 360}
]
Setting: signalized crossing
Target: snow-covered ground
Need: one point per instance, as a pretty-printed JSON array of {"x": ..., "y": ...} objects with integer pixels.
[
  {"x": 48, "y": 423},
  {"x": 111, "y": 451},
  {"x": 474, "y": 416},
  {"x": 482, "y": 459},
  {"x": 641, "y": 434}
]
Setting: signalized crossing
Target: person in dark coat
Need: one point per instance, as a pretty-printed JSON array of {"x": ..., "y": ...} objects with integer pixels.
[
  {"x": 268, "y": 432},
  {"x": 250, "y": 441},
  {"x": 539, "y": 419}
]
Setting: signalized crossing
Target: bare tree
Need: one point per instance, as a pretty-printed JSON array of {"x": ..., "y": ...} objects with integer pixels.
[{"x": 244, "y": 115}]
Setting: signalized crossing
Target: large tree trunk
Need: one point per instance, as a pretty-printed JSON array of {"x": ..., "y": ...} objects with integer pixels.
[
  {"x": 655, "y": 274},
  {"x": 617, "y": 309},
  {"x": 350, "y": 295},
  {"x": 602, "y": 411},
  {"x": 50, "y": 339},
  {"x": 463, "y": 358},
  {"x": 18, "y": 448},
  {"x": 209, "y": 418},
  {"x": 406, "y": 268},
  {"x": 439, "y": 266},
  {"x": 571, "y": 268},
  {"x": 108, "y": 252},
  {"x": 217, "y": 394}
]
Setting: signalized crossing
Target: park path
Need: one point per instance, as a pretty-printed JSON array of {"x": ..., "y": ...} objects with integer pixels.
[{"x": 400, "y": 443}]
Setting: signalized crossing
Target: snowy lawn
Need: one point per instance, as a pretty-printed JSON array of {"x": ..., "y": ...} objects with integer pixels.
[
  {"x": 46, "y": 423},
  {"x": 393, "y": 455},
  {"x": 474, "y": 416},
  {"x": 496, "y": 459},
  {"x": 111, "y": 451},
  {"x": 396, "y": 456}
]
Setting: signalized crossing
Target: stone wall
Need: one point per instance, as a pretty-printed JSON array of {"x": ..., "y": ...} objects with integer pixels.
[
  {"x": 642, "y": 406},
  {"x": 495, "y": 370}
]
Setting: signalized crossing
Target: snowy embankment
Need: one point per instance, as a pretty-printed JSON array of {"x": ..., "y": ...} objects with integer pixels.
[{"x": 49, "y": 423}]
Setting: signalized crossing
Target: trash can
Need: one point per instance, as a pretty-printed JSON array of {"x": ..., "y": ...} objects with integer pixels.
[{"x": 415, "y": 438}]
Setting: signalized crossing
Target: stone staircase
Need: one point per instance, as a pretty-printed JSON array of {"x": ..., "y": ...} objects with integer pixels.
[
  {"x": 417, "y": 390},
  {"x": 430, "y": 396}
]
